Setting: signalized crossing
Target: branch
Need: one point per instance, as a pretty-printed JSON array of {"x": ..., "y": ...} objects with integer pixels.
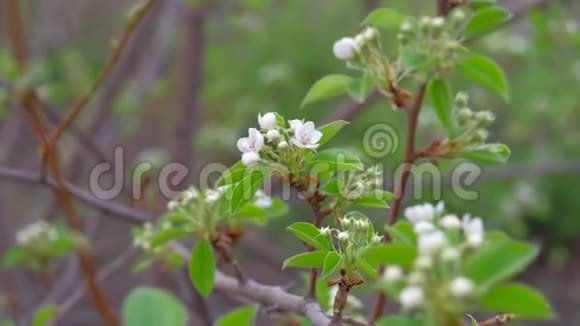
[
  {"x": 83, "y": 99},
  {"x": 497, "y": 320},
  {"x": 264, "y": 294}
]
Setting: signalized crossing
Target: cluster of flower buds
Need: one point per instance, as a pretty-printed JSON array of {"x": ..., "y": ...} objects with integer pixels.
[
  {"x": 352, "y": 48},
  {"x": 274, "y": 142},
  {"x": 355, "y": 233},
  {"x": 474, "y": 123},
  {"x": 441, "y": 241},
  {"x": 38, "y": 232},
  {"x": 143, "y": 236},
  {"x": 360, "y": 183}
]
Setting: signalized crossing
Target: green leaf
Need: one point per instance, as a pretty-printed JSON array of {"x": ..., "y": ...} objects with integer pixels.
[
  {"x": 202, "y": 267},
  {"x": 402, "y": 232},
  {"x": 371, "y": 202},
  {"x": 518, "y": 299},
  {"x": 310, "y": 235},
  {"x": 239, "y": 317},
  {"x": 142, "y": 265},
  {"x": 486, "y": 20},
  {"x": 413, "y": 59},
  {"x": 366, "y": 268},
  {"x": 330, "y": 130},
  {"x": 486, "y": 73},
  {"x": 252, "y": 213},
  {"x": 479, "y": 4},
  {"x": 314, "y": 259},
  {"x": 359, "y": 88},
  {"x": 442, "y": 103},
  {"x": 325, "y": 88},
  {"x": 331, "y": 188},
  {"x": 44, "y": 315},
  {"x": 390, "y": 254},
  {"x": 498, "y": 261},
  {"x": 331, "y": 263},
  {"x": 488, "y": 153},
  {"x": 146, "y": 306},
  {"x": 400, "y": 321},
  {"x": 164, "y": 236},
  {"x": 233, "y": 175},
  {"x": 338, "y": 159},
  {"x": 384, "y": 18},
  {"x": 245, "y": 190},
  {"x": 473, "y": 320},
  {"x": 14, "y": 256}
]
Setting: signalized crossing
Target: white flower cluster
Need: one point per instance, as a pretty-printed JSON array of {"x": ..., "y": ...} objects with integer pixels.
[
  {"x": 358, "y": 183},
  {"x": 354, "y": 234},
  {"x": 142, "y": 240},
  {"x": 37, "y": 232},
  {"x": 347, "y": 48},
  {"x": 262, "y": 199},
  {"x": 440, "y": 248},
  {"x": 300, "y": 134}
]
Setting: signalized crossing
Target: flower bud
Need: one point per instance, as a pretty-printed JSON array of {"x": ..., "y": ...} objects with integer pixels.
[
  {"x": 361, "y": 225},
  {"x": 464, "y": 115},
  {"x": 283, "y": 144},
  {"x": 450, "y": 254},
  {"x": 346, "y": 222},
  {"x": 267, "y": 121},
  {"x": 437, "y": 22},
  {"x": 461, "y": 287},
  {"x": 370, "y": 33},
  {"x": 406, "y": 27},
  {"x": 411, "y": 297},
  {"x": 423, "y": 227},
  {"x": 272, "y": 134},
  {"x": 424, "y": 262},
  {"x": 416, "y": 278},
  {"x": 172, "y": 205},
  {"x": 360, "y": 41},
  {"x": 450, "y": 222},
  {"x": 485, "y": 117},
  {"x": 461, "y": 100},
  {"x": 325, "y": 231},
  {"x": 342, "y": 236},
  {"x": 250, "y": 159},
  {"x": 377, "y": 239},
  {"x": 392, "y": 274},
  {"x": 345, "y": 49},
  {"x": 480, "y": 135},
  {"x": 458, "y": 15}
]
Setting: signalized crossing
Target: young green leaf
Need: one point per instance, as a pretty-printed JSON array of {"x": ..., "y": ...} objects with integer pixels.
[
  {"x": 310, "y": 235},
  {"x": 486, "y": 20},
  {"x": 488, "y": 153},
  {"x": 413, "y": 59},
  {"x": 241, "y": 316},
  {"x": 233, "y": 175},
  {"x": 331, "y": 188},
  {"x": 330, "y": 265},
  {"x": 146, "y": 306},
  {"x": 486, "y": 73},
  {"x": 402, "y": 232},
  {"x": 518, "y": 299},
  {"x": 164, "y": 236},
  {"x": 325, "y": 88},
  {"x": 442, "y": 103},
  {"x": 330, "y": 130},
  {"x": 390, "y": 254},
  {"x": 366, "y": 268},
  {"x": 359, "y": 88},
  {"x": 480, "y": 4},
  {"x": 314, "y": 259},
  {"x": 384, "y": 18},
  {"x": 473, "y": 320},
  {"x": 338, "y": 159},
  {"x": 245, "y": 190},
  {"x": 44, "y": 315},
  {"x": 202, "y": 267},
  {"x": 498, "y": 261},
  {"x": 370, "y": 202}
]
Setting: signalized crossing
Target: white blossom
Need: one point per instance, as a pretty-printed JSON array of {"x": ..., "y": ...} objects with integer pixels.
[
  {"x": 250, "y": 159},
  {"x": 450, "y": 254},
  {"x": 423, "y": 227},
  {"x": 411, "y": 297},
  {"x": 262, "y": 200},
  {"x": 392, "y": 274},
  {"x": 474, "y": 232},
  {"x": 272, "y": 135},
  {"x": 267, "y": 121},
  {"x": 307, "y": 136},
  {"x": 253, "y": 143},
  {"x": 432, "y": 242},
  {"x": 345, "y": 49},
  {"x": 295, "y": 124},
  {"x": 420, "y": 213},
  {"x": 450, "y": 222},
  {"x": 211, "y": 196},
  {"x": 461, "y": 287}
]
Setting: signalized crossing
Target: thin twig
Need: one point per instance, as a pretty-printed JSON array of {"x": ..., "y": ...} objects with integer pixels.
[
  {"x": 30, "y": 104},
  {"x": 497, "y": 320}
]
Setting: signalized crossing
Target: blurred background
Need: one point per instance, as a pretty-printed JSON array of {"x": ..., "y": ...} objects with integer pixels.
[{"x": 193, "y": 79}]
